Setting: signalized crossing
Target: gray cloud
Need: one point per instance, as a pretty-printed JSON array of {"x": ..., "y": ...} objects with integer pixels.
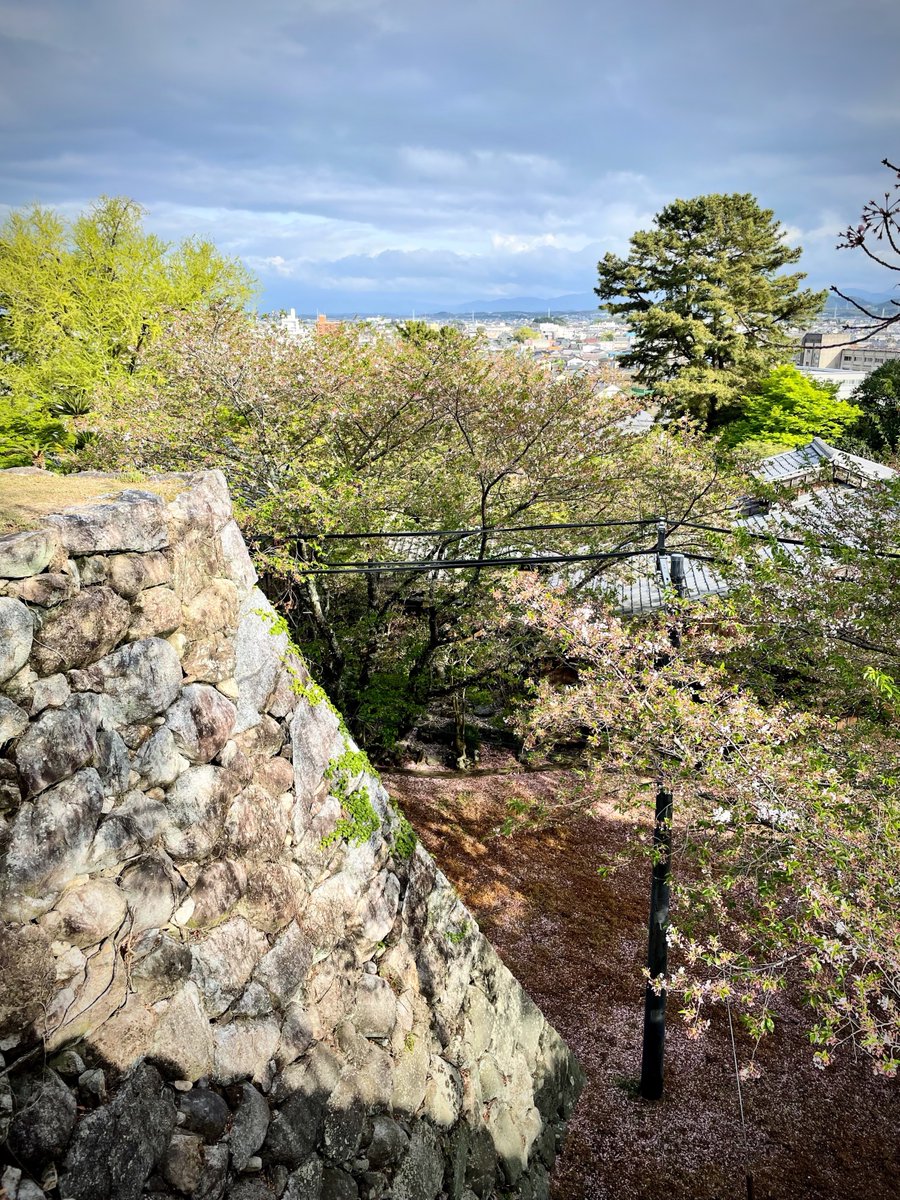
[{"x": 370, "y": 151}]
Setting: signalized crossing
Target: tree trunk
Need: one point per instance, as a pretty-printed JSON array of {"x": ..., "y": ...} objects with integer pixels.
[{"x": 651, "y": 1087}]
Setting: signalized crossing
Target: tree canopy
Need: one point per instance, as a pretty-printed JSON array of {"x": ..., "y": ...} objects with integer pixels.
[
  {"x": 878, "y": 399},
  {"x": 771, "y": 718},
  {"x": 787, "y": 408},
  {"x": 79, "y": 302},
  {"x": 709, "y": 303},
  {"x": 360, "y": 433}
]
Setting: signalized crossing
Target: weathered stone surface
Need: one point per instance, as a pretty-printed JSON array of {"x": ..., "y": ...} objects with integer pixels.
[
  {"x": 375, "y": 1013},
  {"x": 245, "y": 1048},
  {"x": 86, "y": 913},
  {"x": 87, "y": 1002},
  {"x": 132, "y": 826},
  {"x": 387, "y": 1143},
  {"x": 276, "y": 775},
  {"x": 218, "y": 889},
  {"x": 13, "y": 720},
  {"x": 50, "y": 836},
  {"x": 16, "y": 636},
  {"x": 209, "y": 623},
  {"x": 115, "y": 1147},
  {"x": 422, "y": 1171},
  {"x": 345, "y": 1119},
  {"x": 296, "y": 1128},
  {"x": 10, "y": 790},
  {"x": 162, "y": 965},
  {"x": 196, "y": 805},
  {"x": 250, "y": 1125},
  {"x": 155, "y": 613},
  {"x": 131, "y": 574},
  {"x": 306, "y": 1182},
  {"x": 51, "y": 692},
  {"x": 45, "y": 1117},
  {"x": 205, "y": 1113},
  {"x": 182, "y": 1163},
  {"x": 80, "y": 631},
  {"x": 284, "y": 969},
  {"x": 56, "y": 745},
  {"x": 183, "y": 1041},
  {"x": 338, "y": 1185},
  {"x": 201, "y": 721},
  {"x": 23, "y": 554},
  {"x": 93, "y": 569},
  {"x": 204, "y": 507},
  {"x": 224, "y": 960},
  {"x": 158, "y": 759},
  {"x": 259, "y": 654},
  {"x": 215, "y": 1173},
  {"x": 113, "y": 763},
  {"x": 143, "y": 678},
  {"x": 238, "y": 562},
  {"x": 443, "y": 1094},
  {"x": 150, "y": 890},
  {"x": 133, "y": 520},
  {"x": 256, "y": 824},
  {"x": 46, "y": 591},
  {"x": 410, "y": 1076}
]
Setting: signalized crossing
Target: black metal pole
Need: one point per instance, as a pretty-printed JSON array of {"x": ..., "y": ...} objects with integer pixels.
[{"x": 651, "y": 1087}]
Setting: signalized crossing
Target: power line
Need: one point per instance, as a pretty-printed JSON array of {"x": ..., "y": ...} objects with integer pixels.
[
  {"x": 470, "y": 564},
  {"x": 784, "y": 541},
  {"x": 411, "y": 533}
]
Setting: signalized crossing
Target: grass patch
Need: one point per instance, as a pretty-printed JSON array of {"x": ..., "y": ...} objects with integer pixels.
[{"x": 26, "y": 498}]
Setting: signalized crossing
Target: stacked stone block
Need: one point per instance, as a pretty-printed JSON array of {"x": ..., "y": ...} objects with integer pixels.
[{"x": 205, "y": 991}]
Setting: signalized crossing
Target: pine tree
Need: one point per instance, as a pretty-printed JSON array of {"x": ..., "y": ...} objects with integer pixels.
[{"x": 706, "y": 297}]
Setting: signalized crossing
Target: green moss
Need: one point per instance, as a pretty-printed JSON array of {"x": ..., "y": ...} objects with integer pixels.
[
  {"x": 358, "y": 825},
  {"x": 404, "y": 835},
  {"x": 350, "y": 764},
  {"x": 361, "y": 819},
  {"x": 455, "y": 936}
]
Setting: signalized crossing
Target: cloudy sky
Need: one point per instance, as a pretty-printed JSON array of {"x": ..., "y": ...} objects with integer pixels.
[{"x": 366, "y": 155}]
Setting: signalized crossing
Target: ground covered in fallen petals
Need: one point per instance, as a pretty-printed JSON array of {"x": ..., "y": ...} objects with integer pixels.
[{"x": 576, "y": 940}]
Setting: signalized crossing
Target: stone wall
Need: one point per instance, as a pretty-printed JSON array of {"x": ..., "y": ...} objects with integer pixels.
[{"x": 226, "y": 967}]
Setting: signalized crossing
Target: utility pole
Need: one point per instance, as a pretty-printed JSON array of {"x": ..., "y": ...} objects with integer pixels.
[{"x": 653, "y": 1050}]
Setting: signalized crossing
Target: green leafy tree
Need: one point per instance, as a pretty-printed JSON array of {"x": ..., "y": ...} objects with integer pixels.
[
  {"x": 79, "y": 302},
  {"x": 771, "y": 718},
  {"x": 707, "y": 298},
  {"x": 525, "y": 334},
  {"x": 787, "y": 408},
  {"x": 878, "y": 398},
  {"x": 360, "y": 432}
]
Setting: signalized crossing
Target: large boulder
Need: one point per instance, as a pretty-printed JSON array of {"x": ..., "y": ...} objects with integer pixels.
[
  {"x": 45, "y": 1117},
  {"x": 16, "y": 636},
  {"x": 59, "y": 743},
  {"x": 133, "y": 520},
  {"x": 80, "y": 631},
  {"x": 201, "y": 721},
  {"x": 130, "y": 574},
  {"x": 24, "y": 554},
  {"x": 50, "y": 837},
  {"x": 115, "y": 1148},
  {"x": 143, "y": 677}
]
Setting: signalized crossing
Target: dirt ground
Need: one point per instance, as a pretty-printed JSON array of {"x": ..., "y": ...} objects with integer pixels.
[{"x": 576, "y": 941}]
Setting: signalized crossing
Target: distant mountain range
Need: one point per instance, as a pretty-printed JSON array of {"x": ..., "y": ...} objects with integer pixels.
[
  {"x": 574, "y": 302},
  {"x": 878, "y": 303}
]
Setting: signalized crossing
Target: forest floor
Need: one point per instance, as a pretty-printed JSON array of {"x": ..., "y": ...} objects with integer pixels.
[{"x": 576, "y": 941}]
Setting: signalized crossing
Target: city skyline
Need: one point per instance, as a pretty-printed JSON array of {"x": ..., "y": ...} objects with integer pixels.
[{"x": 361, "y": 155}]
